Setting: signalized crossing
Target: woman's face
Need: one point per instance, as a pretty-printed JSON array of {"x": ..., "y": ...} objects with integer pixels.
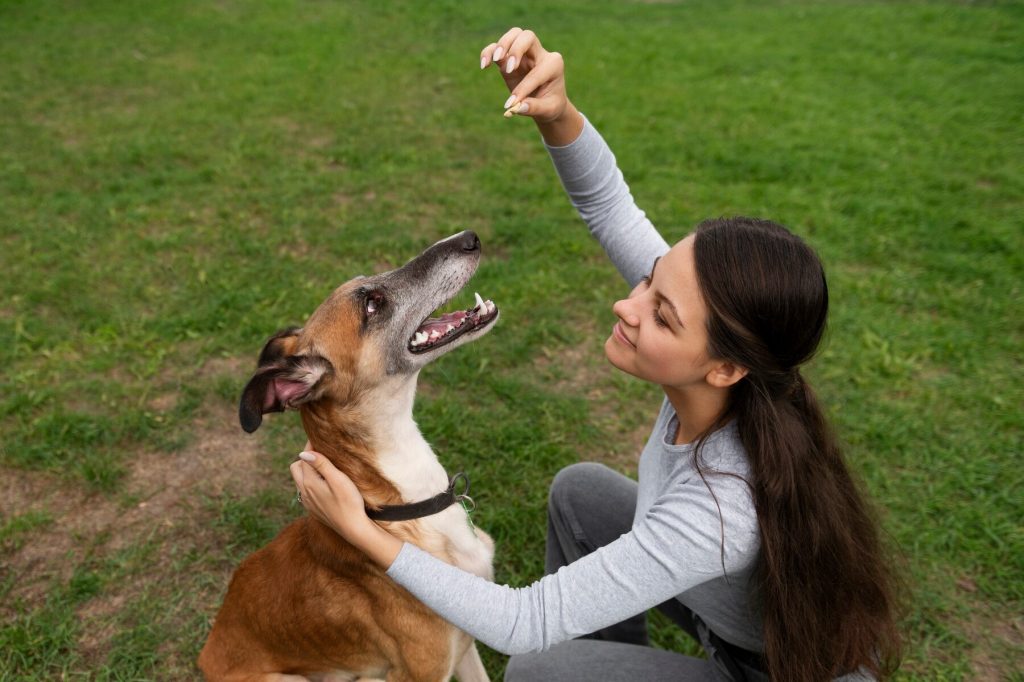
[{"x": 661, "y": 335}]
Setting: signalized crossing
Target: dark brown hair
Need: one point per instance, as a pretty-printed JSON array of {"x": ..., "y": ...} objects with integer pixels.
[{"x": 824, "y": 586}]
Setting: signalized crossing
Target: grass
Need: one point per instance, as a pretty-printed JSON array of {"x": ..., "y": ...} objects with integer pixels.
[{"x": 180, "y": 179}]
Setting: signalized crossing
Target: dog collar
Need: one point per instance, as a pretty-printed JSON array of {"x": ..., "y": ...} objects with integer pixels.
[{"x": 437, "y": 503}]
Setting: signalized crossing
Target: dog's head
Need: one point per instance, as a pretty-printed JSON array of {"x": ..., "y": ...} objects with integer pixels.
[{"x": 369, "y": 329}]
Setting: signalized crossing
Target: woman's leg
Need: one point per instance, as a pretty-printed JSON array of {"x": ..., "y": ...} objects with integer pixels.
[
  {"x": 585, "y": 660},
  {"x": 589, "y": 506}
]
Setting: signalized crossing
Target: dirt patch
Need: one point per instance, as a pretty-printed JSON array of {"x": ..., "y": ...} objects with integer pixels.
[
  {"x": 165, "y": 402},
  {"x": 228, "y": 366},
  {"x": 998, "y": 639},
  {"x": 160, "y": 493}
]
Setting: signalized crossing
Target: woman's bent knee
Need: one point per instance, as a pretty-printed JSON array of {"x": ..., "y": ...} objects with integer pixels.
[{"x": 575, "y": 480}]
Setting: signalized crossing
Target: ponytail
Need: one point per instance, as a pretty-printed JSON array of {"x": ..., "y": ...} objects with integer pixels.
[
  {"x": 822, "y": 582},
  {"x": 824, "y": 588}
]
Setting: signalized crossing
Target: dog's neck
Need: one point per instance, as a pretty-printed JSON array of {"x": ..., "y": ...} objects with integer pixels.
[{"x": 375, "y": 442}]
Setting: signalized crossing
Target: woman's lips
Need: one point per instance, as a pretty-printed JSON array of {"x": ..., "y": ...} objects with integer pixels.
[{"x": 621, "y": 337}]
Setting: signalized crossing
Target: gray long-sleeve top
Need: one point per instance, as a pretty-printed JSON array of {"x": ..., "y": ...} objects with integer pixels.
[{"x": 676, "y": 547}]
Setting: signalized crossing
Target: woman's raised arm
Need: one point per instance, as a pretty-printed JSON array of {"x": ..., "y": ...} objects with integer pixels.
[{"x": 586, "y": 166}]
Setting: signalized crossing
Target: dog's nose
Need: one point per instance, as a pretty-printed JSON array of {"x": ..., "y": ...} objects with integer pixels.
[{"x": 470, "y": 242}]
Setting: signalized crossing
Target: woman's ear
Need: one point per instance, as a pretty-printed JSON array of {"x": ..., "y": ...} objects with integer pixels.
[{"x": 724, "y": 374}]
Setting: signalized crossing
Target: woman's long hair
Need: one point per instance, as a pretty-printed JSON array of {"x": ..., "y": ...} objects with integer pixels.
[{"x": 823, "y": 582}]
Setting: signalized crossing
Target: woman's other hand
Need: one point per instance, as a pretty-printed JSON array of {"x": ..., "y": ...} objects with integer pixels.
[
  {"x": 536, "y": 80},
  {"x": 331, "y": 497}
]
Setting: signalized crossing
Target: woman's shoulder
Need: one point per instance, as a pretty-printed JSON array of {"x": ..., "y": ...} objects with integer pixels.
[{"x": 723, "y": 451}]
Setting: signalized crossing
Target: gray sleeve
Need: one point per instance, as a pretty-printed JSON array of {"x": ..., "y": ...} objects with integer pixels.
[
  {"x": 675, "y": 547},
  {"x": 587, "y": 169}
]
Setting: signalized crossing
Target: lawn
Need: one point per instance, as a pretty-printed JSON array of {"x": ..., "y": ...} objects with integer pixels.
[{"x": 180, "y": 179}]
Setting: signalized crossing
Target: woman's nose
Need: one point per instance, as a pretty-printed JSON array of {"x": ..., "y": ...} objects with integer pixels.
[{"x": 623, "y": 308}]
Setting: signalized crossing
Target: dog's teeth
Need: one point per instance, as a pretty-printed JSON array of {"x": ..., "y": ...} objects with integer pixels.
[
  {"x": 479, "y": 302},
  {"x": 449, "y": 328},
  {"x": 434, "y": 334},
  {"x": 419, "y": 339},
  {"x": 490, "y": 307}
]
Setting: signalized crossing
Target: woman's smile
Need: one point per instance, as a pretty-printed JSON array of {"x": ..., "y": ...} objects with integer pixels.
[{"x": 620, "y": 336}]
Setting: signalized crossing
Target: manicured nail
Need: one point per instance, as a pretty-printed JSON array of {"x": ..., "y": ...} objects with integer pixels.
[
  {"x": 498, "y": 51},
  {"x": 483, "y": 62},
  {"x": 511, "y": 65},
  {"x": 510, "y": 101},
  {"x": 522, "y": 108},
  {"x": 307, "y": 456}
]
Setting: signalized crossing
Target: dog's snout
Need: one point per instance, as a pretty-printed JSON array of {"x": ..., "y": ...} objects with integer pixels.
[{"x": 470, "y": 242}]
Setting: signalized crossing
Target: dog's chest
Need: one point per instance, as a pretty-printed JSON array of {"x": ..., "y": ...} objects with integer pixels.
[{"x": 450, "y": 537}]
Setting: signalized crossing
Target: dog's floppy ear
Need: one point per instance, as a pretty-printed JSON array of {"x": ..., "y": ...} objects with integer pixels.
[
  {"x": 285, "y": 384},
  {"x": 280, "y": 345},
  {"x": 282, "y": 380}
]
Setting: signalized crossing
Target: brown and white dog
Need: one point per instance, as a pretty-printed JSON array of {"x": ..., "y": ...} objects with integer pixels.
[{"x": 309, "y": 605}]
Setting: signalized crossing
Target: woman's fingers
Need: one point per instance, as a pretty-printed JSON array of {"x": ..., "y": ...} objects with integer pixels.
[
  {"x": 505, "y": 42},
  {"x": 508, "y": 52},
  {"x": 548, "y": 69},
  {"x": 541, "y": 94},
  {"x": 296, "y": 471},
  {"x": 487, "y": 55},
  {"x": 323, "y": 481},
  {"x": 523, "y": 45},
  {"x": 320, "y": 464}
]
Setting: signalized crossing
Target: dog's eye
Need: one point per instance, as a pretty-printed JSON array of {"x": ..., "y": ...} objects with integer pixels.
[{"x": 374, "y": 302}]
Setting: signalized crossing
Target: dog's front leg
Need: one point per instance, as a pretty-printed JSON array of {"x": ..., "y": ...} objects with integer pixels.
[{"x": 470, "y": 668}]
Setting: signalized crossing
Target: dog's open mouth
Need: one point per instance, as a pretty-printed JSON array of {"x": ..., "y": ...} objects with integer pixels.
[{"x": 435, "y": 332}]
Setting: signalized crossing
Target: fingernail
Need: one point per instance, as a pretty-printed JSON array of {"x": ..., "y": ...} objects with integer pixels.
[
  {"x": 498, "y": 51},
  {"x": 483, "y": 62},
  {"x": 510, "y": 101},
  {"x": 523, "y": 108},
  {"x": 307, "y": 456},
  {"x": 511, "y": 65}
]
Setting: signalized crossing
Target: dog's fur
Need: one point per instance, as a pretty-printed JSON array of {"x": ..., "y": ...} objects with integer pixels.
[{"x": 309, "y": 605}]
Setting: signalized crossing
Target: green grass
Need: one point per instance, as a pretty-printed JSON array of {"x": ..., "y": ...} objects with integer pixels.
[{"x": 178, "y": 180}]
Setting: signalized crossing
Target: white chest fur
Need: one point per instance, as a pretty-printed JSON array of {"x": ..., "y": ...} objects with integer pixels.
[{"x": 406, "y": 459}]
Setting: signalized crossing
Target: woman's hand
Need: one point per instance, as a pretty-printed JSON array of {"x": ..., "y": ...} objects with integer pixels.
[
  {"x": 536, "y": 81},
  {"x": 332, "y": 497}
]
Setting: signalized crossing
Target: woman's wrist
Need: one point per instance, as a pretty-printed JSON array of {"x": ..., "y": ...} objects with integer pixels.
[
  {"x": 564, "y": 129},
  {"x": 381, "y": 546}
]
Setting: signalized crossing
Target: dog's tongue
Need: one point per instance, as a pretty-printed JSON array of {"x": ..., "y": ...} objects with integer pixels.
[{"x": 441, "y": 324}]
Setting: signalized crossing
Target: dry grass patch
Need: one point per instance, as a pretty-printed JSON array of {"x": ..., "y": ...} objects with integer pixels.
[{"x": 140, "y": 538}]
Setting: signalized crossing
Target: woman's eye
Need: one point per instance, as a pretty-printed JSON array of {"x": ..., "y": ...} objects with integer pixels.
[{"x": 658, "y": 320}]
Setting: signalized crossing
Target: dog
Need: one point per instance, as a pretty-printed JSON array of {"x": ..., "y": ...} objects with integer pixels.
[{"x": 308, "y": 605}]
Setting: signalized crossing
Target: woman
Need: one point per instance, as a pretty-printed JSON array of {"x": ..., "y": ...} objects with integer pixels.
[{"x": 745, "y": 527}]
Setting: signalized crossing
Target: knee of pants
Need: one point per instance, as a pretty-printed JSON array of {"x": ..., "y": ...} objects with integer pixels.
[{"x": 572, "y": 481}]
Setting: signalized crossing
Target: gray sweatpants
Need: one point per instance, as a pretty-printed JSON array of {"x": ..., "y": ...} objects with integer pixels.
[{"x": 590, "y": 506}]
